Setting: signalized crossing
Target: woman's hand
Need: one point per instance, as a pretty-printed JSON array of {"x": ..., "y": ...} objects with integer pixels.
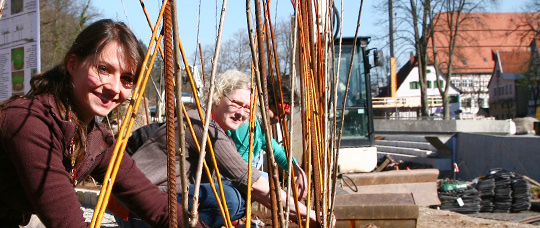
[
  {"x": 313, "y": 219},
  {"x": 301, "y": 182}
]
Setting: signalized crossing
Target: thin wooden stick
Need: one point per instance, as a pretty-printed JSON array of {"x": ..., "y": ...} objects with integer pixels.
[
  {"x": 252, "y": 118},
  {"x": 207, "y": 124},
  {"x": 121, "y": 142},
  {"x": 277, "y": 215},
  {"x": 209, "y": 174},
  {"x": 293, "y": 88},
  {"x": 334, "y": 109},
  {"x": 180, "y": 117}
]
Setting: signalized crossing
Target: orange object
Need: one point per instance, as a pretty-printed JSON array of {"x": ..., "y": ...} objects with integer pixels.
[{"x": 118, "y": 209}]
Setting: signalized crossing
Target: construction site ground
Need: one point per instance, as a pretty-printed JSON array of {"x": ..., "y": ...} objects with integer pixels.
[
  {"x": 428, "y": 218},
  {"x": 433, "y": 218}
]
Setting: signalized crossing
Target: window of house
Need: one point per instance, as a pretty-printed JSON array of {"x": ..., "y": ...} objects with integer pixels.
[
  {"x": 429, "y": 84},
  {"x": 466, "y": 102},
  {"x": 476, "y": 82},
  {"x": 414, "y": 85},
  {"x": 454, "y": 99},
  {"x": 440, "y": 84}
]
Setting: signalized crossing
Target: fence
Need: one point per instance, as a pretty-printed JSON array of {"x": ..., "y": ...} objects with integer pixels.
[{"x": 405, "y": 102}]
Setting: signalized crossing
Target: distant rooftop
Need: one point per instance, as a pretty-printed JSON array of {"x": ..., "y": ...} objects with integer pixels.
[
  {"x": 481, "y": 34},
  {"x": 516, "y": 62}
]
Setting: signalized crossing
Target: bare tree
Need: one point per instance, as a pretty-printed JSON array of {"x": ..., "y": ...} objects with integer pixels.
[
  {"x": 449, "y": 24},
  {"x": 417, "y": 14},
  {"x": 529, "y": 23},
  {"x": 531, "y": 80},
  {"x": 284, "y": 45},
  {"x": 236, "y": 53},
  {"x": 532, "y": 24},
  {"x": 61, "y": 21}
]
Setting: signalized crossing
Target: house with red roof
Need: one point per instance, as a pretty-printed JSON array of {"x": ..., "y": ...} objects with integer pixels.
[
  {"x": 480, "y": 34},
  {"x": 507, "y": 99}
]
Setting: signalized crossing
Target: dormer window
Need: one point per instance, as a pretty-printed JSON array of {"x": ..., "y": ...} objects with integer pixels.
[{"x": 414, "y": 85}]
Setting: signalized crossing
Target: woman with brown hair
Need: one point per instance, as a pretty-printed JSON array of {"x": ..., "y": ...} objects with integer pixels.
[{"x": 50, "y": 141}]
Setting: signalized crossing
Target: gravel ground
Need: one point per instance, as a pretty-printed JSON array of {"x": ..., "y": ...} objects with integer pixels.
[
  {"x": 433, "y": 218},
  {"x": 108, "y": 219},
  {"x": 429, "y": 218}
]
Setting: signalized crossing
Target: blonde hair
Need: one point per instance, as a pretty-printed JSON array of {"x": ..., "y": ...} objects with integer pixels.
[{"x": 225, "y": 83}]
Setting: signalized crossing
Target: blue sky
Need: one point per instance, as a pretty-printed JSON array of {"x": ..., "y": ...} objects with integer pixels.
[
  {"x": 131, "y": 12},
  {"x": 188, "y": 12}
]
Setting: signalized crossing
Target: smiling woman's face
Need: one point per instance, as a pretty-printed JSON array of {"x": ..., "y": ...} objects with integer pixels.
[
  {"x": 231, "y": 112},
  {"x": 100, "y": 83}
]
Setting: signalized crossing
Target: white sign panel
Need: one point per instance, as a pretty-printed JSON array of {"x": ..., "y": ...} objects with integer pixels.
[{"x": 19, "y": 46}]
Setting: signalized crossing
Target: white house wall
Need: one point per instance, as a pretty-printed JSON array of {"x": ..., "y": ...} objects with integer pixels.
[
  {"x": 501, "y": 89},
  {"x": 404, "y": 89},
  {"x": 474, "y": 92}
]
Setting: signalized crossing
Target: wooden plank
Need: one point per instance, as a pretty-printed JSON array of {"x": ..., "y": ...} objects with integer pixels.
[
  {"x": 397, "y": 223},
  {"x": 423, "y": 194},
  {"x": 394, "y": 177},
  {"x": 421, "y": 183},
  {"x": 375, "y": 206}
]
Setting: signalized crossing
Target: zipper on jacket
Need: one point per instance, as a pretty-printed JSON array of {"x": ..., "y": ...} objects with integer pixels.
[{"x": 92, "y": 164}]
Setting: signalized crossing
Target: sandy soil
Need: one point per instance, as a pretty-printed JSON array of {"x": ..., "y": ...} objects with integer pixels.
[
  {"x": 429, "y": 218},
  {"x": 433, "y": 218}
]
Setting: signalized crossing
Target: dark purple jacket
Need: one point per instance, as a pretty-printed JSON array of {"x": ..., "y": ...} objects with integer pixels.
[{"x": 34, "y": 176}]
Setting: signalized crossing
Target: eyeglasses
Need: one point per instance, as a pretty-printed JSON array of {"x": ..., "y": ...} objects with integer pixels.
[{"x": 236, "y": 104}]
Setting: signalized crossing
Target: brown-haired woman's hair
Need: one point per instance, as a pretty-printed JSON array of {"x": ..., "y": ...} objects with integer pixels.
[{"x": 91, "y": 40}]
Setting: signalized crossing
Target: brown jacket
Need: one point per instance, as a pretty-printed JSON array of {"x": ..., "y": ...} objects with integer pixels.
[
  {"x": 151, "y": 156},
  {"x": 34, "y": 176}
]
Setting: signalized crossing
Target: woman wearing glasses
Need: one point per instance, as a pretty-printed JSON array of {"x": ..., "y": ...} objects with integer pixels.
[
  {"x": 230, "y": 108},
  {"x": 240, "y": 137}
]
